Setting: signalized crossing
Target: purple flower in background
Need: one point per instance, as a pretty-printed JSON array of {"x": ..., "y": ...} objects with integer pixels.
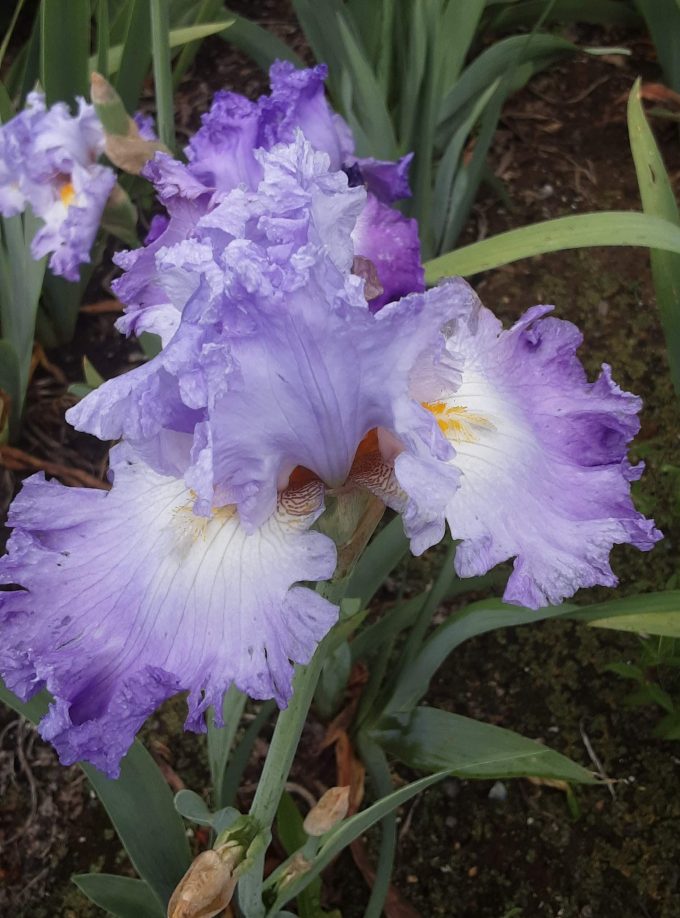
[
  {"x": 145, "y": 125},
  {"x": 48, "y": 161}
]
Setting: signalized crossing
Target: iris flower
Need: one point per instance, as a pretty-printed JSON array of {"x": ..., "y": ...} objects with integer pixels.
[
  {"x": 225, "y": 155},
  {"x": 48, "y": 161},
  {"x": 276, "y": 387}
]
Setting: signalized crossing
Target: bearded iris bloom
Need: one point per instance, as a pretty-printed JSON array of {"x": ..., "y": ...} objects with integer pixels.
[
  {"x": 278, "y": 385},
  {"x": 48, "y": 161},
  {"x": 226, "y": 155}
]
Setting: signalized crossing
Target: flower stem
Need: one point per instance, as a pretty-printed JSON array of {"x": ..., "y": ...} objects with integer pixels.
[{"x": 280, "y": 757}]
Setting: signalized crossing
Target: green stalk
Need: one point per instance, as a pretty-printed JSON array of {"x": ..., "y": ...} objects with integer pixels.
[
  {"x": 280, "y": 758},
  {"x": 162, "y": 72},
  {"x": 221, "y": 739},
  {"x": 441, "y": 587},
  {"x": 378, "y": 770}
]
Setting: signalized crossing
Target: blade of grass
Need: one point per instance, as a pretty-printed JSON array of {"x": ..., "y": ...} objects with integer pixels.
[
  {"x": 663, "y": 21},
  {"x": 208, "y": 11},
  {"x": 10, "y": 30},
  {"x": 658, "y": 200},
  {"x": 64, "y": 50},
  {"x": 378, "y": 770},
  {"x": 162, "y": 73},
  {"x": 575, "y": 232},
  {"x": 103, "y": 31},
  {"x": 134, "y": 56},
  {"x": 178, "y": 37},
  {"x": 263, "y": 46}
]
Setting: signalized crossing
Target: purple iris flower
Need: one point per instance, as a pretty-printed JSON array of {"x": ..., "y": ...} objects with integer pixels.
[
  {"x": 276, "y": 386},
  {"x": 225, "y": 154},
  {"x": 48, "y": 160}
]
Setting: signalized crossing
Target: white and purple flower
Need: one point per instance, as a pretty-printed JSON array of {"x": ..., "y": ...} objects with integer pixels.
[
  {"x": 48, "y": 161},
  {"x": 277, "y": 385}
]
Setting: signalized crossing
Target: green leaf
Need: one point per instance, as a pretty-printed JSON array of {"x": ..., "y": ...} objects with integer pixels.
[
  {"x": 221, "y": 739},
  {"x": 668, "y": 727},
  {"x": 428, "y": 739},
  {"x": 150, "y": 344},
  {"x": 345, "y": 833},
  {"x": 193, "y": 807},
  {"x": 459, "y": 24},
  {"x": 663, "y": 21},
  {"x": 493, "y": 63},
  {"x": 378, "y": 771},
  {"x": 477, "y": 618},
  {"x": 162, "y": 73},
  {"x": 177, "y": 37},
  {"x": 92, "y": 377},
  {"x": 141, "y": 808},
  {"x": 32, "y": 710},
  {"x": 575, "y": 232},
  {"x": 370, "y": 112},
  {"x": 103, "y": 38},
  {"x": 238, "y": 761},
  {"x": 139, "y": 804},
  {"x": 598, "y": 12},
  {"x": 380, "y": 558},
  {"x": 207, "y": 11},
  {"x": 260, "y": 44},
  {"x": 10, "y": 31},
  {"x": 646, "y": 613},
  {"x": 333, "y": 680},
  {"x": 626, "y": 671},
  {"x": 61, "y": 300},
  {"x": 120, "y": 896},
  {"x": 24, "y": 71},
  {"x": 658, "y": 200},
  {"x": 21, "y": 279},
  {"x": 64, "y": 49},
  {"x": 131, "y": 59},
  {"x": 10, "y": 383},
  {"x": 6, "y": 109}
]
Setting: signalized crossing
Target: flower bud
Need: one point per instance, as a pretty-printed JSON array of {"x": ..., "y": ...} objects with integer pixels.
[
  {"x": 205, "y": 889},
  {"x": 125, "y": 147},
  {"x": 329, "y": 811}
]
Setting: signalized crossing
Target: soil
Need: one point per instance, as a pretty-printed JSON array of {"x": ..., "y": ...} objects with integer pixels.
[{"x": 466, "y": 848}]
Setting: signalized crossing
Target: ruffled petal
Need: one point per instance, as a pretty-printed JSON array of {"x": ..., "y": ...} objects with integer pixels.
[
  {"x": 542, "y": 455},
  {"x": 391, "y": 242},
  {"x": 205, "y": 293},
  {"x": 221, "y": 153},
  {"x": 386, "y": 180},
  {"x": 48, "y": 161},
  {"x": 127, "y": 598},
  {"x": 297, "y": 101}
]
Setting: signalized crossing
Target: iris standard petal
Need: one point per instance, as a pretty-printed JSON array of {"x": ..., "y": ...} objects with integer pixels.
[
  {"x": 298, "y": 101},
  {"x": 391, "y": 242},
  {"x": 545, "y": 477},
  {"x": 127, "y": 598}
]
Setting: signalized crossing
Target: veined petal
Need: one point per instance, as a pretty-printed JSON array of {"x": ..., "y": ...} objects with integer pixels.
[
  {"x": 314, "y": 384},
  {"x": 127, "y": 598},
  {"x": 542, "y": 455}
]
